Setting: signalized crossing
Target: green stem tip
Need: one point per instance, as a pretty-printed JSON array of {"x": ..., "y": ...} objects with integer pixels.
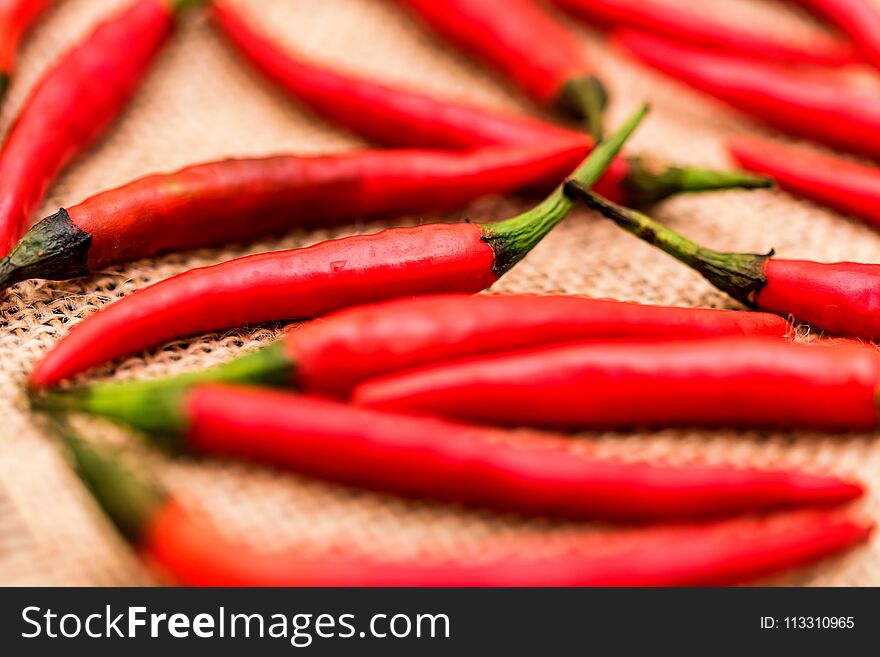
[
  {"x": 585, "y": 98},
  {"x": 649, "y": 181},
  {"x": 130, "y": 500},
  {"x": 154, "y": 408},
  {"x": 741, "y": 275},
  {"x": 157, "y": 407},
  {"x": 513, "y": 239}
]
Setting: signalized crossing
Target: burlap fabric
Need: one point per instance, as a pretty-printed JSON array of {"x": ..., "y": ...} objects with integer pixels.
[{"x": 200, "y": 104}]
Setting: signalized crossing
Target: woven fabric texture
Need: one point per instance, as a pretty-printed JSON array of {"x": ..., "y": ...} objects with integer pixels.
[{"x": 200, "y": 103}]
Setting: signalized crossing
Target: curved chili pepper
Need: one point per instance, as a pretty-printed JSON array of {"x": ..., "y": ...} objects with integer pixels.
[
  {"x": 377, "y": 111},
  {"x": 719, "y": 554},
  {"x": 676, "y": 22},
  {"x": 300, "y": 283},
  {"x": 240, "y": 200},
  {"x": 425, "y": 457},
  {"x": 859, "y": 19},
  {"x": 335, "y": 354},
  {"x": 843, "y": 185},
  {"x": 194, "y": 552},
  {"x": 399, "y": 117},
  {"x": 837, "y": 297},
  {"x": 16, "y": 18},
  {"x": 817, "y": 107},
  {"x": 547, "y": 61},
  {"x": 332, "y": 355},
  {"x": 729, "y": 382},
  {"x": 74, "y": 104}
]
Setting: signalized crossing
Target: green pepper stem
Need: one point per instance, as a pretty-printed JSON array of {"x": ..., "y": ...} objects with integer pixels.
[
  {"x": 156, "y": 410},
  {"x": 156, "y": 407},
  {"x": 585, "y": 98},
  {"x": 648, "y": 182},
  {"x": 130, "y": 500},
  {"x": 513, "y": 239},
  {"x": 741, "y": 275}
]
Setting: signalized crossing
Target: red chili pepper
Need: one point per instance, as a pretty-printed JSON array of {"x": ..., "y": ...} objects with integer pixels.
[
  {"x": 859, "y": 19},
  {"x": 399, "y": 117},
  {"x": 425, "y": 457},
  {"x": 335, "y": 354},
  {"x": 331, "y": 356},
  {"x": 676, "y": 22},
  {"x": 193, "y": 551},
  {"x": 815, "y": 106},
  {"x": 729, "y": 382},
  {"x": 16, "y": 18},
  {"x": 74, "y": 104},
  {"x": 843, "y": 185},
  {"x": 521, "y": 40},
  {"x": 377, "y": 111},
  {"x": 721, "y": 554},
  {"x": 837, "y": 297},
  {"x": 299, "y": 283},
  {"x": 239, "y": 200}
]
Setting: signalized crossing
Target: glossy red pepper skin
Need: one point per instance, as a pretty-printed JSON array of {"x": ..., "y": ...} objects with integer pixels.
[
  {"x": 516, "y": 36},
  {"x": 525, "y": 43},
  {"x": 841, "y": 184},
  {"x": 241, "y": 200},
  {"x": 299, "y": 283},
  {"x": 16, "y": 18},
  {"x": 399, "y": 117},
  {"x": 859, "y": 19},
  {"x": 394, "y": 116},
  {"x": 426, "y": 457},
  {"x": 196, "y": 553},
  {"x": 817, "y": 107},
  {"x": 376, "y": 111},
  {"x": 73, "y": 105},
  {"x": 334, "y": 354},
  {"x": 838, "y": 297},
  {"x": 348, "y": 347},
  {"x": 730, "y": 382},
  {"x": 676, "y": 23},
  {"x": 230, "y": 201},
  {"x": 193, "y": 551}
]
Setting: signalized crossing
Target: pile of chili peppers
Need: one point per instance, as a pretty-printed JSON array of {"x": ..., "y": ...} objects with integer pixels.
[{"x": 409, "y": 382}]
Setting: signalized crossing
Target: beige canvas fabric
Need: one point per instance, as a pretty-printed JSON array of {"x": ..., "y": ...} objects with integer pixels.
[{"x": 200, "y": 104}]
